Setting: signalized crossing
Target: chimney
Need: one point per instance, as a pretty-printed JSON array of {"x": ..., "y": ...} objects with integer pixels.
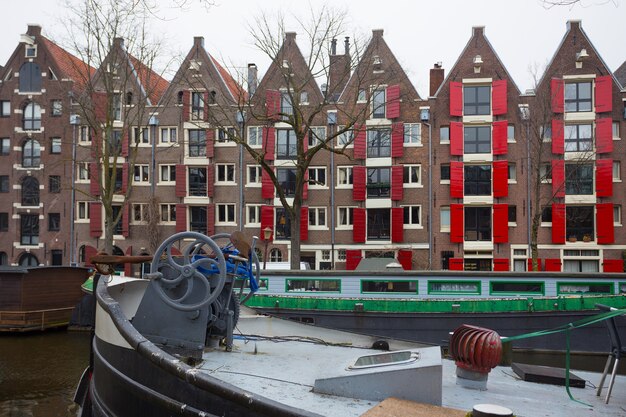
[
  {"x": 198, "y": 41},
  {"x": 436, "y": 78},
  {"x": 34, "y": 30},
  {"x": 346, "y": 46},
  {"x": 290, "y": 37},
  {"x": 252, "y": 79},
  {"x": 339, "y": 71},
  {"x": 377, "y": 33},
  {"x": 333, "y": 47},
  {"x": 118, "y": 42}
]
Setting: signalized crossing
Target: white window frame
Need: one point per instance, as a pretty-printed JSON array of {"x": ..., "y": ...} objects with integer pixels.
[
  {"x": 617, "y": 171},
  {"x": 617, "y": 214},
  {"x": 512, "y": 179},
  {"x": 443, "y": 227},
  {"x": 313, "y": 176},
  {"x": 85, "y": 218},
  {"x": 59, "y": 144},
  {"x": 410, "y": 184},
  {"x": 5, "y": 108},
  {"x": 349, "y": 173},
  {"x": 143, "y": 169},
  {"x": 257, "y": 213},
  {"x": 417, "y": 140},
  {"x": 168, "y": 207},
  {"x": 28, "y": 48},
  {"x": 259, "y": 136},
  {"x": 143, "y": 213},
  {"x": 226, "y": 142},
  {"x": 349, "y": 218},
  {"x": 141, "y": 135},
  {"x": 361, "y": 95},
  {"x": 84, "y": 135},
  {"x": 412, "y": 224},
  {"x": 615, "y": 130},
  {"x": 225, "y": 221},
  {"x": 510, "y": 139},
  {"x": 319, "y": 211},
  {"x": 259, "y": 175},
  {"x": 169, "y": 130},
  {"x": 82, "y": 168},
  {"x": 168, "y": 168},
  {"x": 314, "y": 135},
  {"x": 224, "y": 174},
  {"x": 444, "y": 141},
  {"x": 347, "y": 136}
]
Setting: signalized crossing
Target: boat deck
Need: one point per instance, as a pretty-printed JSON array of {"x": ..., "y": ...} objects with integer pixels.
[{"x": 285, "y": 372}]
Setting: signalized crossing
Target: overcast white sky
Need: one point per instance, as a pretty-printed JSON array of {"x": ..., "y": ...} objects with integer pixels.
[{"x": 419, "y": 33}]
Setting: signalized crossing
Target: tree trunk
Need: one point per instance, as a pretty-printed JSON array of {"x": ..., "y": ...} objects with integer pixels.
[
  {"x": 295, "y": 237},
  {"x": 534, "y": 232}
]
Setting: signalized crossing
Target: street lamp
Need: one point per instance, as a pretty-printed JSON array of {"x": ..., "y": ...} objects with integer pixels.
[{"x": 267, "y": 234}]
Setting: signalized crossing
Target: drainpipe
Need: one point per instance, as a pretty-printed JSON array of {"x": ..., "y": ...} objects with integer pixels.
[
  {"x": 332, "y": 121},
  {"x": 240, "y": 118},
  {"x": 430, "y": 196},
  {"x": 153, "y": 122},
  {"x": 74, "y": 121}
]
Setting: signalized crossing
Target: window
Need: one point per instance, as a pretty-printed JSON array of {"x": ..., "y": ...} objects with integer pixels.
[
  {"x": 4, "y": 183},
  {"x": 225, "y": 173},
  {"x": 476, "y": 100},
  {"x": 345, "y": 138},
  {"x": 317, "y": 217},
  {"x": 578, "y": 179},
  {"x": 197, "y": 182},
  {"x": 477, "y": 224},
  {"x": 253, "y": 214},
  {"x": 444, "y": 134},
  {"x": 546, "y": 214},
  {"x": 578, "y": 138},
  {"x": 54, "y": 184},
  {"x": 445, "y": 172},
  {"x": 328, "y": 285},
  {"x": 412, "y": 134},
  {"x": 82, "y": 210},
  {"x": 617, "y": 214},
  {"x": 197, "y": 142},
  {"x": 477, "y": 180},
  {"x": 28, "y": 259},
  {"x": 283, "y": 224},
  {"x": 5, "y": 146},
  {"x": 389, "y": 286},
  {"x": 411, "y": 175},
  {"x": 453, "y": 287},
  {"x": 30, "y": 192},
  {"x": 344, "y": 217},
  {"x": 30, "y": 78},
  {"x": 255, "y": 136},
  {"x": 361, "y": 96},
  {"x": 579, "y": 222},
  {"x": 317, "y": 135},
  {"x": 512, "y": 214},
  {"x": 378, "y": 224},
  {"x": 55, "y": 146},
  {"x": 197, "y": 219},
  {"x": 142, "y": 173},
  {"x": 512, "y": 175},
  {"x": 286, "y": 144},
  {"x": 4, "y": 222},
  {"x": 29, "y": 231},
  {"x": 545, "y": 172},
  {"x": 168, "y": 213},
  {"x": 317, "y": 177},
  {"x": 142, "y": 135},
  {"x": 226, "y": 135},
  {"x": 168, "y": 173},
  {"x": 56, "y": 108},
  {"x": 225, "y": 213},
  {"x": 83, "y": 134},
  {"x": 115, "y": 143},
  {"x": 140, "y": 212},
  {"x": 378, "y": 103},
  {"x": 31, "y": 51},
  {"x": 117, "y": 107},
  {"x": 118, "y": 179},
  {"x": 344, "y": 176},
  {"x": 129, "y": 98},
  {"x": 510, "y": 133},
  {"x": 82, "y": 169},
  {"x": 31, "y": 119},
  {"x": 5, "y": 108},
  {"x": 616, "y": 130},
  {"x": 412, "y": 215},
  {"x": 54, "y": 222},
  {"x": 56, "y": 256},
  {"x": 444, "y": 219},
  {"x": 378, "y": 143},
  {"x": 378, "y": 182},
  {"x": 578, "y": 97},
  {"x": 546, "y": 133},
  {"x": 197, "y": 106},
  {"x": 286, "y": 108},
  {"x": 516, "y": 287},
  {"x": 276, "y": 255},
  {"x": 287, "y": 180},
  {"x": 254, "y": 174},
  {"x": 477, "y": 139},
  {"x": 617, "y": 171},
  {"x": 4, "y": 259},
  {"x": 169, "y": 135}
]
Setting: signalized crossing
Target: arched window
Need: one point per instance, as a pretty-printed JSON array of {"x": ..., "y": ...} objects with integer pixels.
[
  {"x": 276, "y": 255},
  {"x": 4, "y": 259},
  {"x": 129, "y": 98},
  {"x": 212, "y": 96},
  {"x": 180, "y": 97},
  {"x": 31, "y": 119},
  {"x": 28, "y": 259},
  {"x": 30, "y": 191},
  {"x": 82, "y": 253},
  {"x": 30, "y": 78},
  {"x": 31, "y": 154}
]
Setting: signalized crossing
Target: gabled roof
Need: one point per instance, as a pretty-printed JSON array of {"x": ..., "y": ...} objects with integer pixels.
[
  {"x": 156, "y": 84},
  {"x": 71, "y": 67},
  {"x": 620, "y": 74},
  {"x": 233, "y": 86}
]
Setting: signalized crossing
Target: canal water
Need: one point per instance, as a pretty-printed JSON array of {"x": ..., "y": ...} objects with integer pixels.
[{"x": 39, "y": 372}]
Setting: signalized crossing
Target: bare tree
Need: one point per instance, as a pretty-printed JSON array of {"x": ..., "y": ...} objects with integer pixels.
[{"x": 548, "y": 4}]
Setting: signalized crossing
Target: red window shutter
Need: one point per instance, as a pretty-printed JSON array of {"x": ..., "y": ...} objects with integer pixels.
[
  {"x": 358, "y": 183},
  {"x": 210, "y": 180},
  {"x": 269, "y": 143},
  {"x": 456, "y": 99},
  {"x": 124, "y": 177},
  {"x": 181, "y": 218},
  {"x": 393, "y": 101},
  {"x": 95, "y": 219},
  {"x": 358, "y": 225},
  {"x": 186, "y": 105},
  {"x": 604, "y": 223},
  {"x": 499, "y": 142},
  {"x": 90, "y": 252},
  {"x": 397, "y": 140},
  {"x": 353, "y": 258},
  {"x": 397, "y": 182},
  {"x": 530, "y": 264},
  {"x": 397, "y": 224},
  {"x": 558, "y": 95},
  {"x": 558, "y": 178},
  {"x": 456, "y": 179},
  {"x": 604, "y": 94},
  {"x": 499, "y": 103},
  {"x": 360, "y": 142},
  {"x": 405, "y": 258},
  {"x": 94, "y": 179},
  {"x": 457, "y": 233},
  {"x": 267, "y": 186},
  {"x": 125, "y": 146},
  {"x": 272, "y": 104},
  {"x": 210, "y": 219},
  {"x": 500, "y": 178},
  {"x": 456, "y": 138},
  {"x": 267, "y": 220},
  {"x": 604, "y": 135},
  {"x": 210, "y": 143},
  {"x": 500, "y": 223},
  {"x": 99, "y": 101},
  {"x": 205, "y": 97},
  {"x": 125, "y": 220},
  {"x": 558, "y": 223},
  {"x": 501, "y": 264},
  {"x": 613, "y": 265},
  {"x": 456, "y": 264},
  {"x": 305, "y": 187},
  {"x": 96, "y": 143},
  {"x": 553, "y": 265},
  {"x": 558, "y": 137},
  {"x": 304, "y": 223},
  {"x": 604, "y": 178},
  {"x": 127, "y": 266},
  {"x": 181, "y": 181}
]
